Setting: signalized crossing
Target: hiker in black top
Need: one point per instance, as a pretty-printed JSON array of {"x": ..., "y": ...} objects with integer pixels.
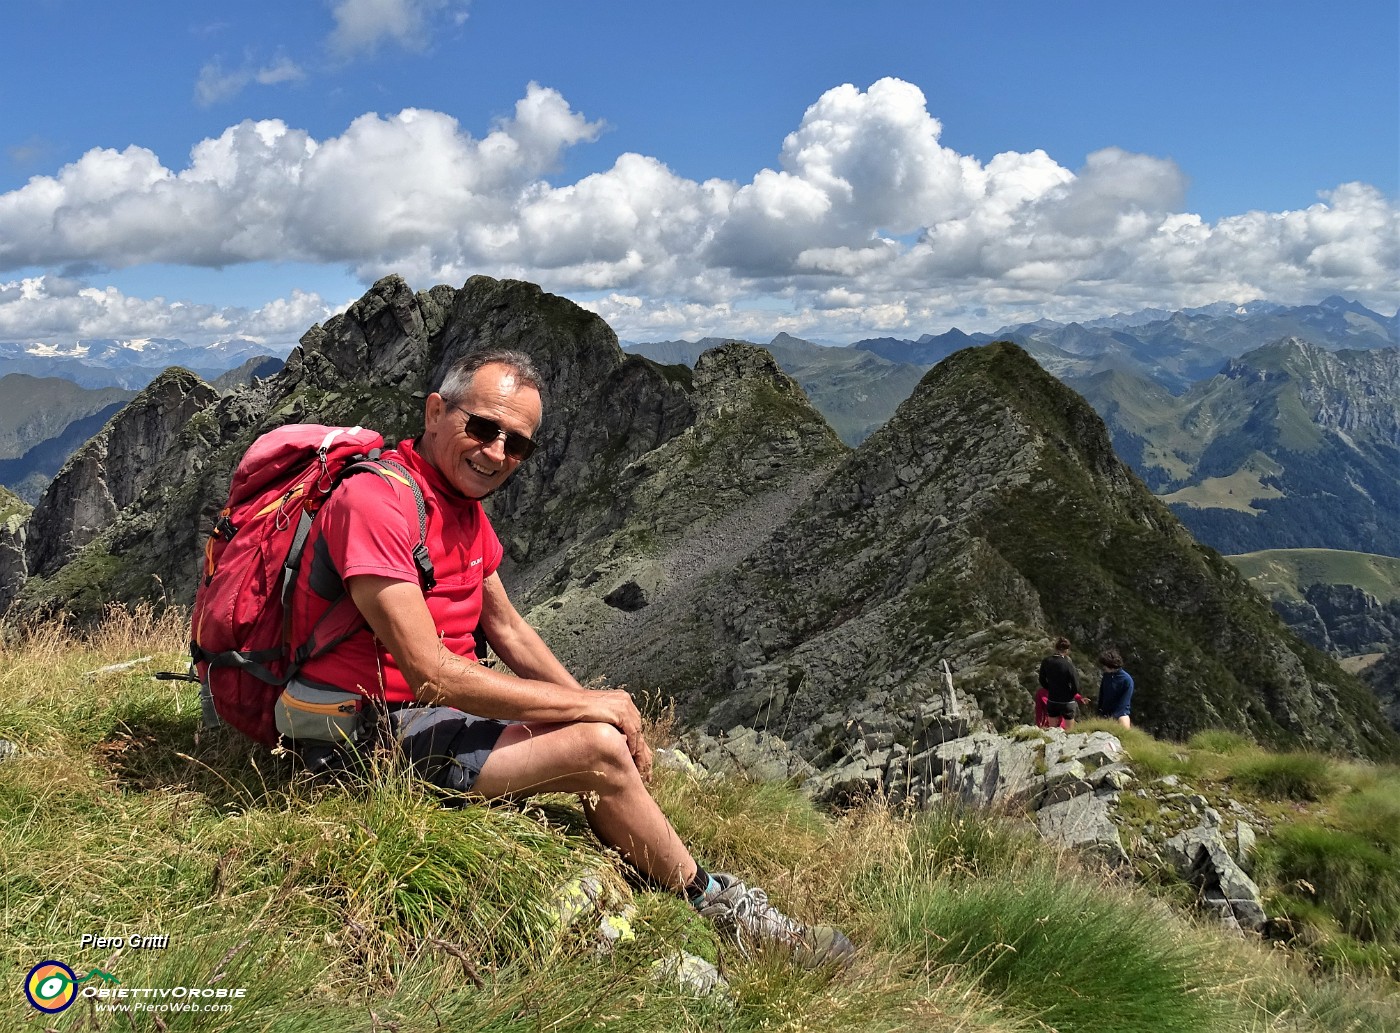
[{"x": 1060, "y": 681}]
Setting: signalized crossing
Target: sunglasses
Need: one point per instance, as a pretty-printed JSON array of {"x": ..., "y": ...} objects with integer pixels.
[{"x": 485, "y": 430}]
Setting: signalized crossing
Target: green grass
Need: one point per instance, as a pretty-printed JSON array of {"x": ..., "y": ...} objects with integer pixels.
[
  {"x": 376, "y": 906},
  {"x": 1073, "y": 954},
  {"x": 1372, "y": 811},
  {"x": 1348, "y": 876},
  {"x": 1293, "y": 776},
  {"x": 989, "y": 900},
  {"x": 1220, "y": 741},
  {"x": 1151, "y": 757},
  {"x": 1239, "y": 491},
  {"x": 1285, "y": 573}
]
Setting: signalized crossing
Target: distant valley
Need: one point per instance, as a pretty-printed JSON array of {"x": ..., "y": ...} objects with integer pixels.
[
  {"x": 43, "y": 420},
  {"x": 52, "y": 401}
]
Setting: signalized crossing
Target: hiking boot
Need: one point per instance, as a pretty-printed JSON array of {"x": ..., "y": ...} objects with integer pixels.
[{"x": 744, "y": 913}]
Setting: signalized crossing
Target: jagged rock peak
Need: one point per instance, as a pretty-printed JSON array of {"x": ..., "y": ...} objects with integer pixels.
[
  {"x": 754, "y": 415},
  {"x": 112, "y": 469},
  {"x": 1003, "y": 373},
  {"x": 734, "y": 370},
  {"x": 393, "y": 336},
  {"x": 991, "y": 412},
  {"x": 370, "y": 365}
]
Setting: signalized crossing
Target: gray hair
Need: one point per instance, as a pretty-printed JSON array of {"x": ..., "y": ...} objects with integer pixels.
[{"x": 459, "y": 378}]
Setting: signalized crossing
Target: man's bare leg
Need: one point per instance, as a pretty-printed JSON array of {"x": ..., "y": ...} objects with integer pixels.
[
  {"x": 590, "y": 759},
  {"x": 593, "y": 759}
]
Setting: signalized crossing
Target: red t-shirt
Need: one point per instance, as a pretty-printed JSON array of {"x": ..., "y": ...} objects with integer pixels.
[{"x": 370, "y": 526}]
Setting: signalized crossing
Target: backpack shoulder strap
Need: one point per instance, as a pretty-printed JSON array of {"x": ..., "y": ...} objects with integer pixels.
[
  {"x": 389, "y": 470},
  {"x": 392, "y": 470}
]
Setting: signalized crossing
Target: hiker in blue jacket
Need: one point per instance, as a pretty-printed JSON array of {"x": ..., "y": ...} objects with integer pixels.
[{"x": 1115, "y": 689}]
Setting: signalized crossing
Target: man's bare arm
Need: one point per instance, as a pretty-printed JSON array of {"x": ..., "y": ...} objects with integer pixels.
[
  {"x": 515, "y": 641},
  {"x": 525, "y": 653},
  {"x": 399, "y": 618}
]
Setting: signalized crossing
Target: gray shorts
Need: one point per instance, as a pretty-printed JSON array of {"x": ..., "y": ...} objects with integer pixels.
[
  {"x": 445, "y": 746},
  {"x": 1068, "y": 710}
]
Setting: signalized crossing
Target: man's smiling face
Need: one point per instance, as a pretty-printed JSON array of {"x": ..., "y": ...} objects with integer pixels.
[{"x": 472, "y": 466}]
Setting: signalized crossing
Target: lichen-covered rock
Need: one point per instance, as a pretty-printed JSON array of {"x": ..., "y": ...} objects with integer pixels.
[
  {"x": 1202, "y": 856},
  {"x": 14, "y": 517},
  {"x": 748, "y": 753}
]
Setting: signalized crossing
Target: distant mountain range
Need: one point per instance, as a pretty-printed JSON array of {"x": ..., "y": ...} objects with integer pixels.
[
  {"x": 130, "y": 364},
  {"x": 1262, "y": 425},
  {"x": 702, "y": 533},
  {"x": 1289, "y": 446},
  {"x": 1174, "y": 349},
  {"x": 1347, "y": 603}
]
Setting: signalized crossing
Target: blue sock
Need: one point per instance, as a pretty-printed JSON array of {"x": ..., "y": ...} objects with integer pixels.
[{"x": 699, "y": 887}]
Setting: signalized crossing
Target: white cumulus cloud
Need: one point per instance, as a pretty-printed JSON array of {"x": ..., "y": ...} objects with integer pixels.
[
  {"x": 364, "y": 25},
  {"x": 60, "y": 311},
  {"x": 869, "y": 224}
]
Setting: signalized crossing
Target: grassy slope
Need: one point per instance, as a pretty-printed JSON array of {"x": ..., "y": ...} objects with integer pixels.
[
  {"x": 376, "y": 908},
  {"x": 1285, "y": 573}
]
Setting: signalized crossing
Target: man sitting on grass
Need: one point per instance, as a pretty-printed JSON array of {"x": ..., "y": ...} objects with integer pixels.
[{"x": 462, "y": 725}]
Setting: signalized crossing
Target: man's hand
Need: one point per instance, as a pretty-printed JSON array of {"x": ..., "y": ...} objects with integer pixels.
[
  {"x": 642, "y": 758},
  {"x": 617, "y": 708},
  {"x": 545, "y": 692}
]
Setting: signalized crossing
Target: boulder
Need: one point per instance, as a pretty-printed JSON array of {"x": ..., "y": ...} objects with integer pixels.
[
  {"x": 755, "y": 755},
  {"x": 986, "y": 769},
  {"x": 1085, "y": 823},
  {"x": 1201, "y": 856}
]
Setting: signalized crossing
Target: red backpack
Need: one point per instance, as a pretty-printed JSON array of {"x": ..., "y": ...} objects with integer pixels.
[{"x": 241, "y": 626}]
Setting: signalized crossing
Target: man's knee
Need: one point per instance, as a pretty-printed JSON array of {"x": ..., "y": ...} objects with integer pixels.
[{"x": 602, "y": 745}]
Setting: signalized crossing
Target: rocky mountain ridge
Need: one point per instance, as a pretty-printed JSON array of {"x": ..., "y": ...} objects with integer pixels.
[
  {"x": 705, "y": 534},
  {"x": 855, "y": 390},
  {"x": 1319, "y": 413},
  {"x": 1290, "y": 446}
]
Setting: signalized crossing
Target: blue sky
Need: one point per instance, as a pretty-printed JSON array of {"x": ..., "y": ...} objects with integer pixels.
[{"x": 834, "y": 170}]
